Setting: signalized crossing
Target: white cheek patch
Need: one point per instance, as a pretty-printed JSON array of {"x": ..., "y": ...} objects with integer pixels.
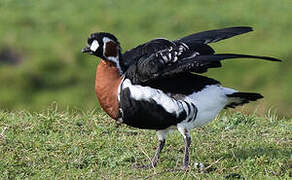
[{"x": 94, "y": 45}]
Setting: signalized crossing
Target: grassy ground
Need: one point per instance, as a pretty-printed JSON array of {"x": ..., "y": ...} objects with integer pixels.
[{"x": 70, "y": 144}]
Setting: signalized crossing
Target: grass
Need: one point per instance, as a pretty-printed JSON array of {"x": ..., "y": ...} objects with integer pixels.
[{"x": 73, "y": 144}]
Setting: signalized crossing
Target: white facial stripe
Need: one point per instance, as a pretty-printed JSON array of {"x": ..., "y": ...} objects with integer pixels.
[{"x": 94, "y": 45}]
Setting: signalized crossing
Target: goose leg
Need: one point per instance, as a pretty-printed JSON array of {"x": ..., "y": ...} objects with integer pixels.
[
  {"x": 187, "y": 143},
  {"x": 186, "y": 160},
  {"x": 161, "y": 142},
  {"x": 159, "y": 148}
]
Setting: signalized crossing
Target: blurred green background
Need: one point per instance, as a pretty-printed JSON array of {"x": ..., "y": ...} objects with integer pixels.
[{"x": 40, "y": 43}]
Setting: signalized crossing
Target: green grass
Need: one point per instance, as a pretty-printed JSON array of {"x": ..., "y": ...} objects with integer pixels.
[
  {"x": 48, "y": 35},
  {"x": 73, "y": 144}
]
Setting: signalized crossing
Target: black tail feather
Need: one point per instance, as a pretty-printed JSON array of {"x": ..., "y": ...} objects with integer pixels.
[{"x": 240, "y": 98}]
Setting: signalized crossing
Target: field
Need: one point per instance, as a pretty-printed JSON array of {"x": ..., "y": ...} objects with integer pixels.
[
  {"x": 70, "y": 144},
  {"x": 40, "y": 43}
]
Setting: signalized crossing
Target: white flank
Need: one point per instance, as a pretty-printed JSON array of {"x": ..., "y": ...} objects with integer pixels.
[
  {"x": 209, "y": 102},
  {"x": 94, "y": 45},
  {"x": 147, "y": 93}
]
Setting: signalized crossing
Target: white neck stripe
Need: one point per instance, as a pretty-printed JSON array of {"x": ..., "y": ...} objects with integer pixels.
[{"x": 111, "y": 58}]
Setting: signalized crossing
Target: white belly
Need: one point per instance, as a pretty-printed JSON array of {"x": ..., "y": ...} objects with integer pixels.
[{"x": 209, "y": 102}]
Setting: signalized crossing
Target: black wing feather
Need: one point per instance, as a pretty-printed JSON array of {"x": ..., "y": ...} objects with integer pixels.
[
  {"x": 146, "y": 49},
  {"x": 214, "y": 35},
  {"x": 200, "y": 64},
  {"x": 153, "y": 68}
]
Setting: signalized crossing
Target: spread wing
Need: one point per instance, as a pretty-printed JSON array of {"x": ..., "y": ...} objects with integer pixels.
[
  {"x": 193, "y": 41},
  {"x": 161, "y": 58}
]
